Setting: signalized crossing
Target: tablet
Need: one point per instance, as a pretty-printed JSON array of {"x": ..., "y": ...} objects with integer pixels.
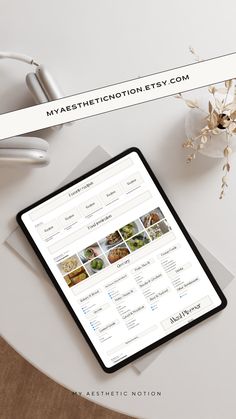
[{"x": 121, "y": 260}]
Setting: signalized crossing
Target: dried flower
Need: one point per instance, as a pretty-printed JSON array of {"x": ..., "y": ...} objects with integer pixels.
[
  {"x": 195, "y": 55},
  {"x": 221, "y": 117},
  {"x": 191, "y": 157},
  {"x": 188, "y": 143}
]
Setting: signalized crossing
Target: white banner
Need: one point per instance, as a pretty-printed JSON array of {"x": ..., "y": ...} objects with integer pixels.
[{"x": 117, "y": 96}]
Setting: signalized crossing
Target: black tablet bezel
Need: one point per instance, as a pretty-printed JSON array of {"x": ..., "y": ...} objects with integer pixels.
[{"x": 170, "y": 336}]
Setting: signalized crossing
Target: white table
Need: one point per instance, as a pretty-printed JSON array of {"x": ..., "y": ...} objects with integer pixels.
[{"x": 87, "y": 45}]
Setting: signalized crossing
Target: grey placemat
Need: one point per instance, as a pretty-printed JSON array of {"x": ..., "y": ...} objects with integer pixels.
[{"x": 17, "y": 242}]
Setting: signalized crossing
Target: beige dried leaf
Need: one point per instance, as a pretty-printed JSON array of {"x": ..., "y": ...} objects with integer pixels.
[
  {"x": 191, "y": 104},
  {"x": 210, "y": 107},
  {"x": 226, "y": 167},
  {"x": 212, "y": 89},
  {"x": 204, "y": 139},
  {"x": 231, "y": 127},
  {"x": 178, "y": 96},
  {"x": 227, "y": 151},
  {"x": 233, "y": 115},
  {"x": 215, "y": 131},
  {"x": 228, "y": 104},
  {"x": 213, "y": 120},
  {"x": 228, "y": 84},
  {"x": 231, "y": 106},
  {"x": 193, "y": 52},
  {"x": 224, "y": 180}
]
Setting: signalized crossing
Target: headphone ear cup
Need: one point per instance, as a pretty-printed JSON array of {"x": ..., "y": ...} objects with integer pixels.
[
  {"x": 35, "y": 88},
  {"x": 29, "y": 150},
  {"x": 34, "y": 143},
  {"x": 48, "y": 83}
]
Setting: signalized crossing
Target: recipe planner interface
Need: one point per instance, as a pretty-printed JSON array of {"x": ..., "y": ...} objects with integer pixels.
[{"x": 121, "y": 259}]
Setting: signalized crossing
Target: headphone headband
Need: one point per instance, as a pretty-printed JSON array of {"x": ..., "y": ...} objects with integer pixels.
[{"x": 18, "y": 57}]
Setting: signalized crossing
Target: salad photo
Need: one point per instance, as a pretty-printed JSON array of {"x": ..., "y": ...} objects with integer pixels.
[
  {"x": 90, "y": 252},
  {"x": 131, "y": 229},
  {"x": 155, "y": 232},
  {"x": 96, "y": 265},
  {"x": 138, "y": 241}
]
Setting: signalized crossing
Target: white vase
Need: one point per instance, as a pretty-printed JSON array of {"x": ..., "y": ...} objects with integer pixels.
[{"x": 195, "y": 121}]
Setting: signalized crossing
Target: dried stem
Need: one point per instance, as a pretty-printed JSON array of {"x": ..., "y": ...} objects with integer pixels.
[
  {"x": 226, "y": 167},
  {"x": 220, "y": 116}
]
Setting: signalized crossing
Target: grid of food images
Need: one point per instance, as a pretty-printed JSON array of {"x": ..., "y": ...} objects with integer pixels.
[{"x": 115, "y": 246}]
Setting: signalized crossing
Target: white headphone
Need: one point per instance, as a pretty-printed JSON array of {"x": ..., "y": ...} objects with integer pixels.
[{"x": 43, "y": 89}]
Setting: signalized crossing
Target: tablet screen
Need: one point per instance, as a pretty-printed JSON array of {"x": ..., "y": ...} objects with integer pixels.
[{"x": 121, "y": 259}]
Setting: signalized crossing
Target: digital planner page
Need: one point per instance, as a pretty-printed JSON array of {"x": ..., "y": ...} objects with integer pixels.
[{"x": 121, "y": 260}]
